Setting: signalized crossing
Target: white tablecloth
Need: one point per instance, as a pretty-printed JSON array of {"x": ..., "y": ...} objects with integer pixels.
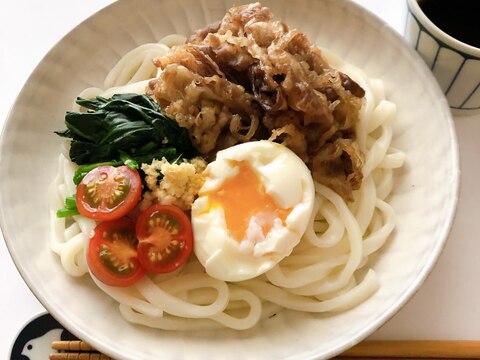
[{"x": 447, "y": 305}]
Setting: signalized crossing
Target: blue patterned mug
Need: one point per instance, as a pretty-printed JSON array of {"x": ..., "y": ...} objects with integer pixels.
[{"x": 455, "y": 64}]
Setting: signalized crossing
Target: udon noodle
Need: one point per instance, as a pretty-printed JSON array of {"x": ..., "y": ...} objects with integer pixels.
[{"x": 328, "y": 270}]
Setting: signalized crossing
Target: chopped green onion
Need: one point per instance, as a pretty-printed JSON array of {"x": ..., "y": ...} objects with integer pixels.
[
  {"x": 70, "y": 208},
  {"x": 61, "y": 213}
]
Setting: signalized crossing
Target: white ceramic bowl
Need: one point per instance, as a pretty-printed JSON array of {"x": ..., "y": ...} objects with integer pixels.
[{"x": 424, "y": 197}]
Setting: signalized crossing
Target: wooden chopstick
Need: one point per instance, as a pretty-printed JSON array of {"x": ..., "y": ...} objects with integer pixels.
[
  {"x": 415, "y": 349},
  {"x": 75, "y": 350},
  {"x": 384, "y": 349},
  {"x": 72, "y": 345},
  {"x": 79, "y": 356}
]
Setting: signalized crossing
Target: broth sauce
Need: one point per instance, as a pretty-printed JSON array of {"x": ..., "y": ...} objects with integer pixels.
[{"x": 459, "y": 19}]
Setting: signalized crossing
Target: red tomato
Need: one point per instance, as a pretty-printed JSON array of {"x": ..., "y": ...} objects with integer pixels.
[
  {"x": 108, "y": 193},
  {"x": 112, "y": 253},
  {"x": 165, "y": 238}
]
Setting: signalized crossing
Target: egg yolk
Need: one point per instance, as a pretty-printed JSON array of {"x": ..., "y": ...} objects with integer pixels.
[{"x": 242, "y": 197}]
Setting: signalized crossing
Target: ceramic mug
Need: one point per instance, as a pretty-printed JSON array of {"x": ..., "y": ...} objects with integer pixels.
[{"x": 455, "y": 65}]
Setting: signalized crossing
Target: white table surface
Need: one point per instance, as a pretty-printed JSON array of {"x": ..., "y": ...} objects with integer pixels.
[{"x": 446, "y": 307}]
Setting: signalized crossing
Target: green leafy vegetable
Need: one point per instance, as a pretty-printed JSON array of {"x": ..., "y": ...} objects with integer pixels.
[
  {"x": 128, "y": 125},
  {"x": 70, "y": 207}
]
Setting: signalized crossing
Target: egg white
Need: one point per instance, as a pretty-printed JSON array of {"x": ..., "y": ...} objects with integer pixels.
[{"x": 286, "y": 179}]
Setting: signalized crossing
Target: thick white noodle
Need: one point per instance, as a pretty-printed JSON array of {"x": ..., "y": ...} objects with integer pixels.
[
  {"x": 129, "y": 297},
  {"x": 136, "y": 65},
  {"x": 176, "y": 306},
  {"x": 287, "y": 300},
  {"x": 327, "y": 271},
  {"x": 173, "y": 40},
  {"x": 68, "y": 241},
  {"x": 384, "y": 182},
  {"x": 336, "y": 228}
]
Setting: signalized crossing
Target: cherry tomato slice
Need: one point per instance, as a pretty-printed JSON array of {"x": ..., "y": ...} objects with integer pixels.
[
  {"x": 112, "y": 253},
  {"x": 165, "y": 238},
  {"x": 108, "y": 192}
]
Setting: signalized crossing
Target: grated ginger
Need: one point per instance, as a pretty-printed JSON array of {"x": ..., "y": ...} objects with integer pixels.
[{"x": 179, "y": 184}]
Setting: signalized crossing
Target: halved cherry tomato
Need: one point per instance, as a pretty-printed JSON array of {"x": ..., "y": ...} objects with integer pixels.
[
  {"x": 165, "y": 238},
  {"x": 112, "y": 253},
  {"x": 108, "y": 193}
]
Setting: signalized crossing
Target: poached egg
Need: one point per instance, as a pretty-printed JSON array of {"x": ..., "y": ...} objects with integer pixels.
[{"x": 252, "y": 210}]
